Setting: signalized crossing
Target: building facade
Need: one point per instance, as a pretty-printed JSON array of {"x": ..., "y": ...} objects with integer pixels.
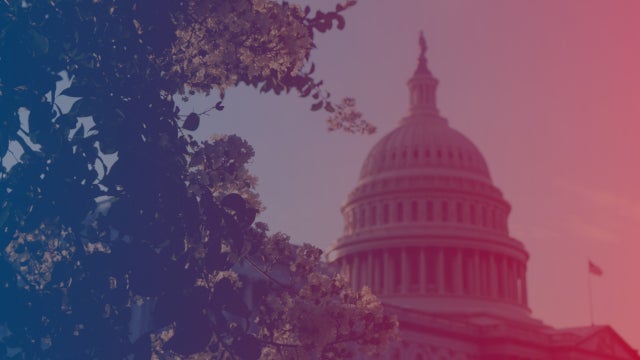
[{"x": 426, "y": 229}]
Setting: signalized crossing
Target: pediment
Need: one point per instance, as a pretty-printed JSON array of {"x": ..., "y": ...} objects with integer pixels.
[{"x": 607, "y": 343}]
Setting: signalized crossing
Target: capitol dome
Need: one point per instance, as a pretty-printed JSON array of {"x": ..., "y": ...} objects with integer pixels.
[
  {"x": 425, "y": 227},
  {"x": 425, "y": 145}
]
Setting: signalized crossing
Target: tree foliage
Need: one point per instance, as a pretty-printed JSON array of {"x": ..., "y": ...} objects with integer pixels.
[{"x": 168, "y": 223}]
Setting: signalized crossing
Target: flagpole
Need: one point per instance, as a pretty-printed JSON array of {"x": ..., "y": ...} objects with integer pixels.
[{"x": 590, "y": 298}]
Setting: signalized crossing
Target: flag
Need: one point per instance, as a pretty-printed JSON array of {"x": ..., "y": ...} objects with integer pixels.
[{"x": 594, "y": 269}]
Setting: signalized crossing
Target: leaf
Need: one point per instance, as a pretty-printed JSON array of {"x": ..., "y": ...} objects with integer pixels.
[
  {"x": 76, "y": 91},
  {"x": 234, "y": 202},
  {"x": 142, "y": 347},
  {"x": 249, "y": 347},
  {"x": 248, "y": 216},
  {"x": 317, "y": 106},
  {"x": 79, "y": 134},
  {"x": 67, "y": 121},
  {"x": 192, "y": 122},
  {"x": 329, "y": 107},
  {"x": 83, "y": 107},
  {"x": 341, "y": 22},
  {"x": 197, "y": 159},
  {"x": 4, "y": 215},
  {"x": 106, "y": 146},
  {"x": 39, "y": 43},
  {"x": 4, "y": 144},
  {"x": 191, "y": 336}
]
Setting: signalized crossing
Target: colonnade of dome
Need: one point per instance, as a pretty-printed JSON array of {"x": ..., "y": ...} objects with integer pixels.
[{"x": 441, "y": 270}]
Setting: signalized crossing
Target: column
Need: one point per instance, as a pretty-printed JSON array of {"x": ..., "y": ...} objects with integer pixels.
[
  {"x": 525, "y": 301},
  {"x": 370, "y": 281},
  {"x": 375, "y": 285},
  {"x": 423, "y": 271},
  {"x": 476, "y": 274},
  {"x": 356, "y": 271},
  {"x": 510, "y": 277},
  {"x": 505, "y": 279},
  {"x": 493, "y": 275},
  {"x": 483, "y": 275},
  {"x": 457, "y": 272},
  {"x": 440, "y": 271},
  {"x": 518, "y": 283},
  {"x": 404, "y": 265},
  {"x": 348, "y": 273},
  {"x": 386, "y": 272}
]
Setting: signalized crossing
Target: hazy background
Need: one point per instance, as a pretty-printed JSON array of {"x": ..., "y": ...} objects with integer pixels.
[{"x": 547, "y": 90}]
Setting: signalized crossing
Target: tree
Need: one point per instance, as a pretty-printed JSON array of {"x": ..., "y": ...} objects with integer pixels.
[{"x": 181, "y": 213}]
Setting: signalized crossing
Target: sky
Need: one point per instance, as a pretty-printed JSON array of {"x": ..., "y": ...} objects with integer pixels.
[{"x": 549, "y": 91}]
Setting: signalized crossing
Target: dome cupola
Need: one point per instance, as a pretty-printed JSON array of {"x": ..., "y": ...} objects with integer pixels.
[{"x": 425, "y": 227}]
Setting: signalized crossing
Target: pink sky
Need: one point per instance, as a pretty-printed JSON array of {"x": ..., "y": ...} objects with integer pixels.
[{"x": 549, "y": 91}]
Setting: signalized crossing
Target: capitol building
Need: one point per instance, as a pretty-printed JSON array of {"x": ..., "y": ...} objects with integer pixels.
[{"x": 426, "y": 230}]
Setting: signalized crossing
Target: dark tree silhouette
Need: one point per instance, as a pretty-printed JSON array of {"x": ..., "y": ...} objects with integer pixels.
[{"x": 176, "y": 223}]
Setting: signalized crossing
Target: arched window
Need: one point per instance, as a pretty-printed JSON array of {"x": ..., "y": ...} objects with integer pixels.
[
  {"x": 429, "y": 211},
  {"x": 399, "y": 212},
  {"x": 459, "y": 212}
]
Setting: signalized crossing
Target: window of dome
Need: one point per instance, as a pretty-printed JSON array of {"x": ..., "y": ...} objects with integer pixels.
[
  {"x": 429, "y": 211},
  {"x": 459, "y": 212},
  {"x": 399, "y": 212}
]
